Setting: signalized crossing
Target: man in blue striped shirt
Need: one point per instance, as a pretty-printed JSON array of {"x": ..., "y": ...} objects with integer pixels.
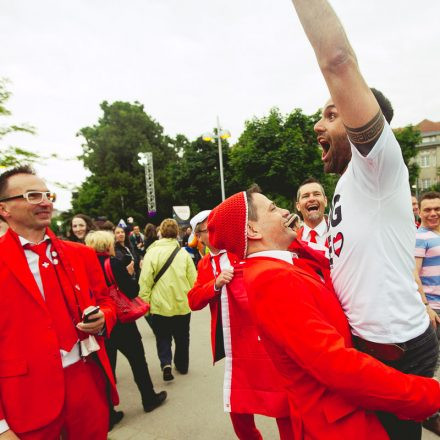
[{"x": 427, "y": 250}]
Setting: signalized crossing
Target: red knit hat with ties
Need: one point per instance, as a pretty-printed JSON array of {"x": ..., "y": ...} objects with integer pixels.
[{"x": 227, "y": 225}]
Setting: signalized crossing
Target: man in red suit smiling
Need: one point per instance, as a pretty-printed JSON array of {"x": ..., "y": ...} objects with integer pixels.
[
  {"x": 54, "y": 373},
  {"x": 333, "y": 389},
  {"x": 251, "y": 384}
]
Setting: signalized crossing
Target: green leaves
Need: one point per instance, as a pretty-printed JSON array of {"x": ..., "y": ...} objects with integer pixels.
[
  {"x": 278, "y": 152},
  {"x": 409, "y": 137},
  {"x": 116, "y": 187}
]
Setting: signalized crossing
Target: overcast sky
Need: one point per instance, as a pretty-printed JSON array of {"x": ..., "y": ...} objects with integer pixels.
[{"x": 189, "y": 61}]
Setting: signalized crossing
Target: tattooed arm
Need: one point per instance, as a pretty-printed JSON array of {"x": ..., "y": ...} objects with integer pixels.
[{"x": 351, "y": 95}]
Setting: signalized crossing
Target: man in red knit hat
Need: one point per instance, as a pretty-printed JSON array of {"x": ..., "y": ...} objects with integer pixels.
[
  {"x": 333, "y": 389},
  {"x": 252, "y": 385}
]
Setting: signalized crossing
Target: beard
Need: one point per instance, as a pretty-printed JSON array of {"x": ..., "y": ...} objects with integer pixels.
[{"x": 340, "y": 155}]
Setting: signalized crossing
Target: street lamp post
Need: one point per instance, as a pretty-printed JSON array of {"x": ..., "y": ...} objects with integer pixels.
[{"x": 221, "y": 134}]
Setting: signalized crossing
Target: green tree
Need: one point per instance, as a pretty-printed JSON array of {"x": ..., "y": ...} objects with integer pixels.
[
  {"x": 116, "y": 185},
  {"x": 195, "y": 179},
  {"x": 409, "y": 137},
  {"x": 11, "y": 156},
  {"x": 279, "y": 152}
]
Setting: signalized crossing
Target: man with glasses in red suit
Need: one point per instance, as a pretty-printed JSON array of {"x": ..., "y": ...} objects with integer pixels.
[{"x": 55, "y": 378}]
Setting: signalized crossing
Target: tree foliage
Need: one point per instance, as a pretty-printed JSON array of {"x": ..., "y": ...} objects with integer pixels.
[
  {"x": 116, "y": 186},
  {"x": 409, "y": 137},
  {"x": 195, "y": 179},
  {"x": 276, "y": 151}
]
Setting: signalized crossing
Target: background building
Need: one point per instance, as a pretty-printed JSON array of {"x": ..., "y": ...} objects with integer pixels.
[{"x": 428, "y": 154}]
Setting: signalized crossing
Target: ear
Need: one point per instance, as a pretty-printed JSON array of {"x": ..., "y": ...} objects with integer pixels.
[
  {"x": 297, "y": 206},
  {"x": 252, "y": 232},
  {"x": 4, "y": 210},
  {"x": 325, "y": 201}
]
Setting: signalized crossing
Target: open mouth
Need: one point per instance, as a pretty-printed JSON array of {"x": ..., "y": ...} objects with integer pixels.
[
  {"x": 291, "y": 221},
  {"x": 313, "y": 208},
  {"x": 325, "y": 147}
]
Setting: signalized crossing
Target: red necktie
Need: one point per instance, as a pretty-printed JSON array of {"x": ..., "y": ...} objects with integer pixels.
[
  {"x": 219, "y": 341},
  {"x": 218, "y": 269},
  {"x": 313, "y": 235},
  {"x": 54, "y": 297}
]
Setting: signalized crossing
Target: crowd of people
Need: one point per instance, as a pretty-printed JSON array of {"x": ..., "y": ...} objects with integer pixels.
[{"x": 327, "y": 323}]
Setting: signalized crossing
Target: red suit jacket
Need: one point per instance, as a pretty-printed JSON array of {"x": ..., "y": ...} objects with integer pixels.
[
  {"x": 252, "y": 385},
  {"x": 333, "y": 389},
  {"x": 31, "y": 372}
]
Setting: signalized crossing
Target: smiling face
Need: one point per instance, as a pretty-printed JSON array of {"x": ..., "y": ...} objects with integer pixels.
[
  {"x": 272, "y": 228},
  {"x": 430, "y": 213},
  {"x": 79, "y": 228},
  {"x": 311, "y": 204},
  {"x": 331, "y": 135},
  {"x": 119, "y": 235},
  {"x": 21, "y": 215}
]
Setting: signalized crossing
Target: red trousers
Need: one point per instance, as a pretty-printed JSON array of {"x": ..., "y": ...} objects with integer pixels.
[
  {"x": 86, "y": 408},
  {"x": 244, "y": 427}
]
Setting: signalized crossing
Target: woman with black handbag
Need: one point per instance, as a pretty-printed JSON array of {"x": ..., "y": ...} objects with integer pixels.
[{"x": 125, "y": 337}]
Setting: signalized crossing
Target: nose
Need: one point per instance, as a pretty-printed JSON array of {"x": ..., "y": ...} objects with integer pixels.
[{"x": 319, "y": 127}]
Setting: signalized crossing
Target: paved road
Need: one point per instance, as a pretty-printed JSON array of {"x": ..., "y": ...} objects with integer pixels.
[{"x": 194, "y": 408}]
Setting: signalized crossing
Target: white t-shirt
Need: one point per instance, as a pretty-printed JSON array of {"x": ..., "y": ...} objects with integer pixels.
[{"x": 372, "y": 235}]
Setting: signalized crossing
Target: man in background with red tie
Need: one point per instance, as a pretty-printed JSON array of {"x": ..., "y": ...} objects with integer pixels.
[
  {"x": 55, "y": 378},
  {"x": 251, "y": 385},
  {"x": 311, "y": 203}
]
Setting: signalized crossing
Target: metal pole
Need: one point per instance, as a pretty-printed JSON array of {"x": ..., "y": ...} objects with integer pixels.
[{"x": 220, "y": 159}]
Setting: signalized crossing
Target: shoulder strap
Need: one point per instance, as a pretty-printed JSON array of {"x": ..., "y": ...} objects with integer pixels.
[
  {"x": 166, "y": 265},
  {"x": 108, "y": 271}
]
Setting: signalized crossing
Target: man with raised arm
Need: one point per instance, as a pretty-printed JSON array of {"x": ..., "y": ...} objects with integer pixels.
[{"x": 371, "y": 221}]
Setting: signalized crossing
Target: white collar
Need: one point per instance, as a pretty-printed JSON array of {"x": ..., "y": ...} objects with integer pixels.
[
  {"x": 277, "y": 254},
  {"x": 321, "y": 229},
  {"x": 25, "y": 241},
  {"x": 221, "y": 251}
]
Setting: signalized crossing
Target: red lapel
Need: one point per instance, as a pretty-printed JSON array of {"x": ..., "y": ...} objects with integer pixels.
[{"x": 14, "y": 258}]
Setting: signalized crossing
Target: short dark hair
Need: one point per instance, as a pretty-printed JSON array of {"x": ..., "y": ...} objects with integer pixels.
[
  {"x": 430, "y": 195},
  {"x": 306, "y": 182},
  {"x": 384, "y": 104},
  {"x": 4, "y": 177},
  {"x": 252, "y": 212}
]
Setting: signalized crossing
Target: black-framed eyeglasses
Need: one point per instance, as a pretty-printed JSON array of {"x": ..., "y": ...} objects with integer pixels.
[{"x": 34, "y": 197}]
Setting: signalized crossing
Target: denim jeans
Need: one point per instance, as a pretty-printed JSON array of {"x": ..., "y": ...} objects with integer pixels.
[{"x": 420, "y": 358}]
